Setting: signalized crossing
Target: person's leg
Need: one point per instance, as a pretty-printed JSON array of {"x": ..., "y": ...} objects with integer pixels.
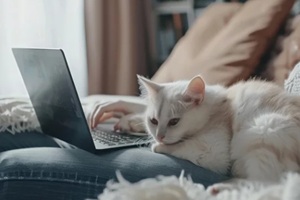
[
  {"x": 55, "y": 173},
  {"x": 9, "y": 141}
]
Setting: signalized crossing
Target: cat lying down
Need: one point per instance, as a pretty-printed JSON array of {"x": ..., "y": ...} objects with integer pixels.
[{"x": 251, "y": 128}]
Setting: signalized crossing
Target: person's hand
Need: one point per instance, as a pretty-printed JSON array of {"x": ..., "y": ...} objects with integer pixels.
[{"x": 129, "y": 113}]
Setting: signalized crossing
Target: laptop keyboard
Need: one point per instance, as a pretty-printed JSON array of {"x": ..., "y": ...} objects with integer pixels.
[{"x": 112, "y": 138}]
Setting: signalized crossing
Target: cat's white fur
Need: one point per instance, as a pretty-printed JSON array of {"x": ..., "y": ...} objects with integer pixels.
[
  {"x": 253, "y": 125},
  {"x": 266, "y": 131}
]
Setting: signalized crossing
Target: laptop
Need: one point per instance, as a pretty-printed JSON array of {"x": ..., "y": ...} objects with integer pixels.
[{"x": 53, "y": 95}]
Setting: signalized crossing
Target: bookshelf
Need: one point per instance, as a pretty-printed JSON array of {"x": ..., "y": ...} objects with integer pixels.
[{"x": 172, "y": 19}]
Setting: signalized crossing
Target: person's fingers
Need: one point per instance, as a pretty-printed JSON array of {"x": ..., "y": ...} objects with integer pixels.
[
  {"x": 117, "y": 109},
  {"x": 107, "y": 107},
  {"x": 97, "y": 112},
  {"x": 117, "y": 126},
  {"x": 109, "y": 115},
  {"x": 102, "y": 115},
  {"x": 93, "y": 113}
]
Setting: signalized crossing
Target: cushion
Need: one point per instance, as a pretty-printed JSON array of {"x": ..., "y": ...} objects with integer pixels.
[
  {"x": 205, "y": 28},
  {"x": 235, "y": 51}
]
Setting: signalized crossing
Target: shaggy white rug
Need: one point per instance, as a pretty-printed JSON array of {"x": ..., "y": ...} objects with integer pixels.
[{"x": 182, "y": 188}]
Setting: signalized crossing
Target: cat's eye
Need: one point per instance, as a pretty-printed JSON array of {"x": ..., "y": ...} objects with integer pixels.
[
  {"x": 154, "y": 121},
  {"x": 173, "y": 122}
]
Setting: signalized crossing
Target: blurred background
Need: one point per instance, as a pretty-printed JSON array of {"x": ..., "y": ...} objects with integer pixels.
[{"x": 106, "y": 42}]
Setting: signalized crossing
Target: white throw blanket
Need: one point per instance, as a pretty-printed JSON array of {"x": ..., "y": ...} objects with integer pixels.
[{"x": 17, "y": 115}]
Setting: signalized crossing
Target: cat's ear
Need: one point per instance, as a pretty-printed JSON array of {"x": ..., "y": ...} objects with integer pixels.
[
  {"x": 148, "y": 87},
  {"x": 195, "y": 91}
]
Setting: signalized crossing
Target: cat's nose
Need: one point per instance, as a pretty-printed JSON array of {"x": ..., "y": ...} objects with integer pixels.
[{"x": 160, "y": 138}]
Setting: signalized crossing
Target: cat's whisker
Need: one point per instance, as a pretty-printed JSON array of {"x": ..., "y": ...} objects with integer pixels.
[
  {"x": 183, "y": 106},
  {"x": 141, "y": 123},
  {"x": 185, "y": 138},
  {"x": 173, "y": 110}
]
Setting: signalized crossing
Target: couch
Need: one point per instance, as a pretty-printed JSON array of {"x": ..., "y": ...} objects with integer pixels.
[{"x": 228, "y": 43}]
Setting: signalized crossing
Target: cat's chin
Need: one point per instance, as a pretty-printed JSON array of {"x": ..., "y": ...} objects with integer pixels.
[{"x": 169, "y": 142}]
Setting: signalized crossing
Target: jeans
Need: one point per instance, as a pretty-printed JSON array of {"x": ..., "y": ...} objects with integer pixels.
[{"x": 34, "y": 166}]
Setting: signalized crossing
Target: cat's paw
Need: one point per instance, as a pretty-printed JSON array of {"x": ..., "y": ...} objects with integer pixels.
[
  {"x": 131, "y": 123},
  {"x": 220, "y": 187},
  {"x": 160, "y": 148},
  {"x": 157, "y": 148}
]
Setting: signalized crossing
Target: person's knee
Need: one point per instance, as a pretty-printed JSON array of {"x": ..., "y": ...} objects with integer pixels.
[
  {"x": 58, "y": 173},
  {"x": 28, "y": 139}
]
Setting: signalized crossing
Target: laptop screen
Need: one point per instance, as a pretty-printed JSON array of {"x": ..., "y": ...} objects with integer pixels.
[{"x": 53, "y": 95}]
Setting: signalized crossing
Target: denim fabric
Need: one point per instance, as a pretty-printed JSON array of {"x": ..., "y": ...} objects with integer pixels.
[
  {"x": 10, "y": 141},
  {"x": 68, "y": 173}
]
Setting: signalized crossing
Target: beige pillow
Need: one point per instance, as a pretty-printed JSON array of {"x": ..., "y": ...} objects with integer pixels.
[
  {"x": 204, "y": 29},
  {"x": 235, "y": 51}
]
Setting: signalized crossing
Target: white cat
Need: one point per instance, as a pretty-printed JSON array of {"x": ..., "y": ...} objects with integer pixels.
[
  {"x": 189, "y": 121},
  {"x": 253, "y": 125}
]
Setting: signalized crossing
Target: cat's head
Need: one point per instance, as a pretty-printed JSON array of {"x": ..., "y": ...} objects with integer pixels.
[{"x": 169, "y": 114}]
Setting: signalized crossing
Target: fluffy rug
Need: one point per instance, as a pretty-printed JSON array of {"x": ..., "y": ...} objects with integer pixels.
[{"x": 182, "y": 188}]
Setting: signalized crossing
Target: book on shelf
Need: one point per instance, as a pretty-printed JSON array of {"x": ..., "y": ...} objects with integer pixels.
[
  {"x": 203, "y": 3},
  {"x": 170, "y": 29}
]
